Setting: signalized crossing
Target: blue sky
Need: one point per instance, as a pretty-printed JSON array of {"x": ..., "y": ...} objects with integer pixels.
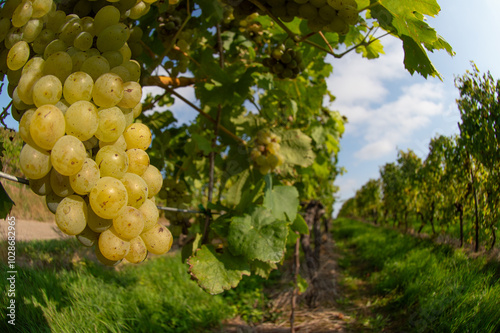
[{"x": 388, "y": 109}]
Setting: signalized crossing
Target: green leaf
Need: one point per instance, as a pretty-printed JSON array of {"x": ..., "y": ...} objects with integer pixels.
[
  {"x": 216, "y": 272},
  {"x": 203, "y": 144},
  {"x": 190, "y": 248},
  {"x": 250, "y": 196},
  {"x": 258, "y": 236},
  {"x": 302, "y": 284},
  {"x": 300, "y": 225},
  {"x": 6, "y": 203},
  {"x": 282, "y": 201},
  {"x": 296, "y": 148},
  {"x": 234, "y": 192},
  {"x": 263, "y": 269}
]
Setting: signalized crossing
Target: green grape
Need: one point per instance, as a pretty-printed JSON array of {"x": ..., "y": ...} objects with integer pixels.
[
  {"x": 82, "y": 8},
  {"x": 139, "y": 10},
  {"x": 54, "y": 46},
  {"x": 135, "y": 34},
  {"x": 336, "y": 4},
  {"x": 151, "y": 214},
  {"x": 78, "y": 87},
  {"x": 87, "y": 23},
  {"x": 112, "y": 246},
  {"x": 28, "y": 80},
  {"x": 318, "y": 3},
  {"x": 95, "y": 66},
  {"x": 138, "y": 161},
  {"x": 308, "y": 11},
  {"x": 138, "y": 251},
  {"x": 52, "y": 201},
  {"x": 111, "y": 124},
  {"x": 121, "y": 72},
  {"x": 78, "y": 59},
  {"x": 47, "y": 126},
  {"x": 71, "y": 215},
  {"x": 349, "y": 15},
  {"x": 22, "y": 13},
  {"x": 112, "y": 162},
  {"x": 62, "y": 105},
  {"x": 339, "y": 26},
  {"x": 158, "y": 239},
  {"x": 8, "y": 8},
  {"x": 85, "y": 179},
  {"x": 153, "y": 179},
  {"x": 60, "y": 184},
  {"x": 42, "y": 40},
  {"x": 58, "y": 64},
  {"x": 126, "y": 53},
  {"x": 55, "y": 20},
  {"x": 103, "y": 260},
  {"x": 118, "y": 143},
  {"x": 114, "y": 58},
  {"x": 137, "y": 189},
  {"x": 97, "y": 223},
  {"x": 129, "y": 223},
  {"x": 88, "y": 237},
  {"x": 47, "y": 90},
  {"x": 137, "y": 136},
  {"x": 273, "y": 147},
  {"x": 67, "y": 155},
  {"x": 41, "y": 186},
  {"x": 132, "y": 94},
  {"x": 83, "y": 41},
  {"x": 327, "y": 13},
  {"x": 32, "y": 29},
  {"x": 105, "y": 17},
  {"x": 137, "y": 110},
  {"x": 108, "y": 90},
  {"x": 108, "y": 197},
  {"x": 17, "y": 102},
  {"x": 41, "y": 8},
  {"x": 112, "y": 38},
  {"x": 18, "y": 55},
  {"x": 128, "y": 113},
  {"x": 34, "y": 162},
  {"x": 133, "y": 68},
  {"x": 70, "y": 30}
]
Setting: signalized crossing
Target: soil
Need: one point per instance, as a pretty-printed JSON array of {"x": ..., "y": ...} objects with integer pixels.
[{"x": 27, "y": 230}]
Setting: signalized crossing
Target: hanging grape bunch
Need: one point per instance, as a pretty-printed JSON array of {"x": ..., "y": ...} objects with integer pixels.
[
  {"x": 76, "y": 94},
  {"x": 265, "y": 154},
  {"x": 285, "y": 62}
]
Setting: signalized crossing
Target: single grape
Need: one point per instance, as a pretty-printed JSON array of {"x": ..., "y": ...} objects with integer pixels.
[
  {"x": 132, "y": 94},
  {"x": 137, "y": 136},
  {"x": 58, "y": 64},
  {"x": 47, "y": 126},
  {"x": 137, "y": 189},
  {"x": 82, "y": 120},
  {"x": 95, "y": 66},
  {"x": 18, "y": 55},
  {"x": 111, "y": 124},
  {"x": 153, "y": 179},
  {"x": 78, "y": 87},
  {"x": 112, "y": 246},
  {"x": 85, "y": 179},
  {"x": 138, "y": 161},
  {"x": 60, "y": 184},
  {"x": 34, "y": 162},
  {"x": 129, "y": 223},
  {"x": 108, "y": 90},
  {"x": 97, "y": 223},
  {"x": 112, "y": 162},
  {"x": 112, "y": 38},
  {"x": 71, "y": 215},
  {"x": 47, "y": 90},
  {"x": 138, "y": 251},
  {"x": 41, "y": 186},
  {"x": 67, "y": 155},
  {"x": 151, "y": 214},
  {"x": 108, "y": 197},
  {"x": 87, "y": 237},
  {"x": 158, "y": 239},
  {"x": 22, "y": 13},
  {"x": 118, "y": 143}
]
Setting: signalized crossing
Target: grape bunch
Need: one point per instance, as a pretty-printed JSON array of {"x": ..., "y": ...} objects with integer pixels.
[
  {"x": 176, "y": 195},
  {"x": 285, "y": 62},
  {"x": 265, "y": 155},
  {"x": 76, "y": 92}
]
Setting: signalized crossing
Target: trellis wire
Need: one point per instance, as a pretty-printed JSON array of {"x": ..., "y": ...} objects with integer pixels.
[{"x": 170, "y": 209}]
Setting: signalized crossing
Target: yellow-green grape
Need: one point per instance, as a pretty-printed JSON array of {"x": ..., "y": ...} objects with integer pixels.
[
  {"x": 112, "y": 162},
  {"x": 24, "y": 127},
  {"x": 138, "y": 251},
  {"x": 47, "y": 126},
  {"x": 137, "y": 136},
  {"x": 60, "y": 184},
  {"x": 112, "y": 246},
  {"x": 153, "y": 179},
  {"x": 108, "y": 90},
  {"x": 42, "y": 40},
  {"x": 137, "y": 110},
  {"x": 158, "y": 239},
  {"x": 41, "y": 186},
  {"x": 52, "y": 201},
  {"x": 111, "y": 124},
  {"x": 67, "y": 155},
  {"x": 129, "y": 116},
  {"x": 85, "y": 179},
  {"x": 18, "y": 55},
  {"x": 71, "y": 215},
  {"x": 118, "y": 143},
  {"x": 134, "y": 69},
  {"x": 54, "y": 46},
  {"x": 105, "y": 17},
  {"x": 137, "y": 189},
  {"x": 83, "y": 41},
  {"x": 108, "y": 197},
  {"x": 88, "y": 237},
  {"x": 32, "y": 71},
  {"x": 32, "y": 29},
  {"x": 41, "y": 8},
  {"x": 114, "y": 58},
  {"x": 121, "y": 72},
  {"x": 82, "y": 120},
  {"x": 78, "y": 59},
  {"x": 70, "y": 30},
  {"x": 17, "y": 102},
  {"x": 47, "y": 90},
  {"x": 58, "y": 64},
  {"x": 139, "y": 10},
  {"x": 95, "y": 66},
  {"x": 151, "y": 214},
  {"x": 88, "y": 24},
  {"x": 112, "y": 38},
  {"x": 103, "y": 260},
  {"x": 138, "y": 161},
  {"x": 22, "y": 13},
  {"x": 35, "y": 163},
  {"x": 273, "y": 147},
  {"x": 91, "y": 143},
  {"x": 132, "y": 94},
  {"x": 78, "y": 87},
  {"x": 97, "y": 223},
  {"x": 129, "y": 223}
]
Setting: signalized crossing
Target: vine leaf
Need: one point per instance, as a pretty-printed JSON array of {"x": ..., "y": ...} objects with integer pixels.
[
  {"x": 263, "y": 269},
  {"x": 283, "y": 202},
  {"x": 234, "y": 192},
  {"x": 258, "y": 236},
  {"x": 216, "y": 272},
  {"x": 300, "y": 225},
  {"x": 296, "y": 148},
  {"x": 6, "y": 203}
]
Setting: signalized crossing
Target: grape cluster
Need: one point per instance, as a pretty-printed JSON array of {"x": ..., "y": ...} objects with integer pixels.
[
  {"x": 176, "y": 195},
  {"x": 76, "y": 93},
  {"x": 265, "y": 155},
  {"x": 285, "y": 62}
]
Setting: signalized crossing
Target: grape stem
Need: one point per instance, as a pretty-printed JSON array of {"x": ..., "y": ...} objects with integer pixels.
[{"x": 4, "y": 113}]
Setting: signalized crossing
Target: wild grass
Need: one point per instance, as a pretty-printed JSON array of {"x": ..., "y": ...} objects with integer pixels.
[{"x": 425, "y": 287}]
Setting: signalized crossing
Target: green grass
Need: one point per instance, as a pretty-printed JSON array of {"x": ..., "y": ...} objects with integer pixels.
[
  {"x": 424, "y": 287},
  {"x": 59, "y": 289}
]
